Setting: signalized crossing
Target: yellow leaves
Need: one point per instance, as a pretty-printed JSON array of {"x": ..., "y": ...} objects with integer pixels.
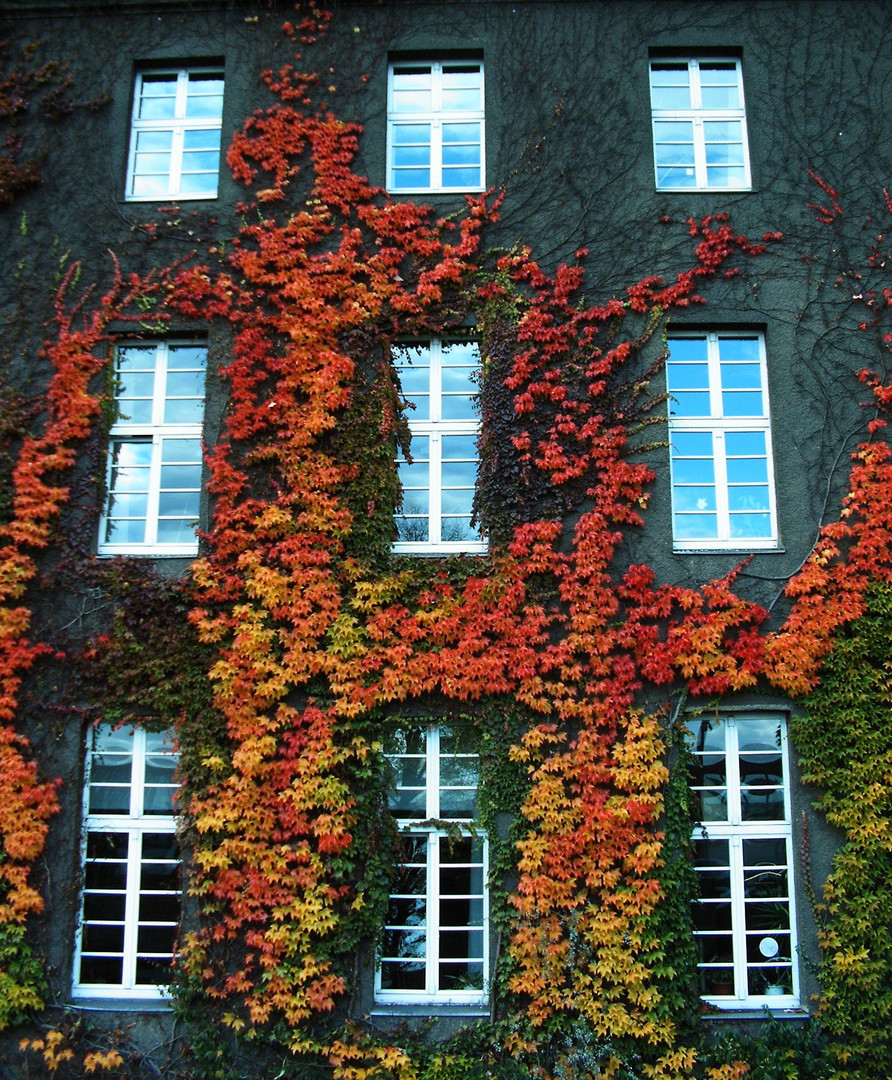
[
  {"x": 51, "y": 1048},
  {"x": 111, "y": 1059},
  {"x": 236, "y": 1023}
]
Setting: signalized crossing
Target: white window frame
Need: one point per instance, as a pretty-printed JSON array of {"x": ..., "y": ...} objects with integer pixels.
[
  {"x": 434, "y": 428},
  {"x": 698, "y": 116},
  {"x": 134, "y": 822},
  {"x": 763, "y": 969},
  {"x": 435, "y": 831},
  {"x": 439, "y": 115},
  {"x": 718, "y": 426},
  {"x": 178, "y": 127},
  {"x": 163, "y": 437}
]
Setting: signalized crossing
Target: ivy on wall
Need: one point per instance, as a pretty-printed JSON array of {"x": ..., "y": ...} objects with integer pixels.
[{"x": 302, "y": 634}]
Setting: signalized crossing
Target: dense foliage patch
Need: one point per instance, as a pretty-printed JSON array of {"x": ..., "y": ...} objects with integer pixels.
[{"x": 301, "y": 633}]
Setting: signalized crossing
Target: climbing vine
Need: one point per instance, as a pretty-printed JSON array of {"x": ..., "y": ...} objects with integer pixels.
[{"x": 305, "y": 635}]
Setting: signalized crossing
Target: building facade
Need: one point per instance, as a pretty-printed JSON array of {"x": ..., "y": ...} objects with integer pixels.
[{"x": 410, "y": 447}]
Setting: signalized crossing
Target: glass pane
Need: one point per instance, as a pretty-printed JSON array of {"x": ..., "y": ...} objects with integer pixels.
[
  {"x": 768, "y": 882},
  {"x": 183, "y": 357},
  {"x": 670, "y": 86},
  {"x": 405, "y": 911},
  {"x": 402, "y": 976},
  {"x": 133, "y": 454},
  {"x": 109, "y": 800},
  {"x": 157, "y": 939},
  {"x": 412, "y": 90},
  {"x": 98, "y": 970},
  {"x": 461, "y": 178},
  {"x": 742, "y": 403},
  {"x": 455, "y": 135},
  {"x": 765, "y": 852},
  {"x": 708, "y": 735},
  {"x": 722, "y": 176},
  {"x": 723, "y": 154},
  {"x": 107, "y": 845},
  {"x": 694, "y": 498},
  {"x": 461, "y": 912},
  {"x": 687, "y": 376},
  {"x": 176, "y": 531},
  {"x": 461, "y": 976},
  {"x": 749, "y": 471},
  {"x": 159, "y": 907},
  {"x": 695, "y": 527},
  {"x": 460, "y": 448},
  {"x": 406, "y": 135},
  {"x": 714, "y": 884},
  {"x": 711, "y": 915},
  {"x": 102, "y": 938},
  {"x": 719, "y": 88},
  {"x": 104, "y": 907},
  {"x": 458, "y": 739},
  {"x": 110, "y": 768},
  {"x": 157, "y": 97},
  {"x": 715, "y": 948},
  {"x": 409, "y": 942},
  {"x": 147, "y": 186},
  {"x": 693, "y": 471},
  {"x": 411, "y": 157},
  {"x": 105, "y": 875},
  {"x": 153, "y": 142},
  {"x": 410, "y": 178},
  {"x": 711, "y": 805},
  {"x": 745, "y": 443},
  {"x": 748, "y": 497},
  {"x": 152, "y": 972},
  {"x": 688, "y": 444}
]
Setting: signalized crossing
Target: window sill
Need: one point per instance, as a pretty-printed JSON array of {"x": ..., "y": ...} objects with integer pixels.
[
  {"x": 121, "y": 1004},
  {"x": 395, "y": 193},
  {"x": 440, "y": 552},
  {"x": 753, "y": 1012},
  {"x": 740, "y": 551},
  {"x": 704, "y": 190},
  {"x": 164, "y": 200},
  {"x": 429, "y": 1009},
  {"x": 148, "y": 553}
]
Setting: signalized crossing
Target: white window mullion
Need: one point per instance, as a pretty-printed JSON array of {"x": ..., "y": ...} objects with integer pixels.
[
  {"x": 154, "y": 491},
  {"x": 738, "y": 916},
  {"x": 721, "y": 487},
  {"x": 699, "y": 152},
  {"x": 131, "y": 917},
  {"x": 433, "y": 915}
]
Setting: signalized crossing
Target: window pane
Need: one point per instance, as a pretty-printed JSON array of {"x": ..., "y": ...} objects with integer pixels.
[
  {"x": 747, "y": 498},
  {"x": 402, "y": 976},
  {"x": 690, "y": 403},
  {"x": 157, "y": 97},
  {"x": 726, "y": 177},
  {"x": 719, "y": 86},
  {"x": 670, "y": 86},
  {"x": 696, "y": 526},
  {"x": 461, "y": 178},
  {"x": 100, "y": 970},
  {"x": 692, "y": 444},
  {"x": 693, "y": 471}
]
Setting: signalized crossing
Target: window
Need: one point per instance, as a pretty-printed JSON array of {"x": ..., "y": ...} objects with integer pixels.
[
  {"x": 720, "y": 442},
  {"x": 155, "y": 453},
  {"x": 699, "y": 125},
  {"x": 435, "y": 947},
  {"x": 175, "y": 135},
  {"x": 435, "y": 127},
  {"x": 744, "y": 919},
  {"x": 130, "y": 900},
  {"x": 438, "y": 382}
]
